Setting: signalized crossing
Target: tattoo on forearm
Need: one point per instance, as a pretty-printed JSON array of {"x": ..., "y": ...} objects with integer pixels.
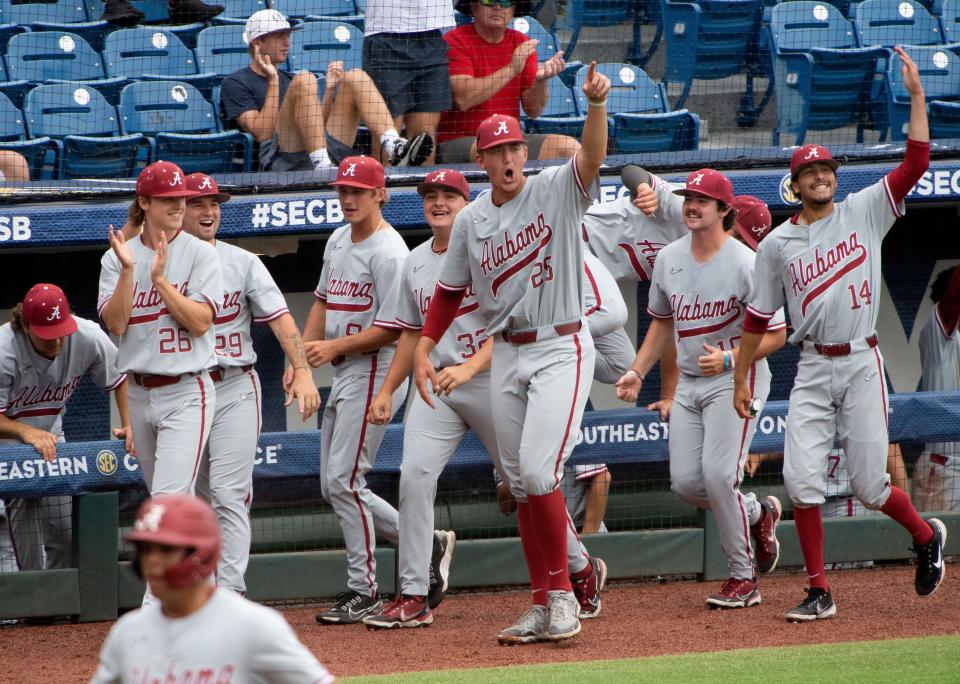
[{"x": 299, "y": 351}]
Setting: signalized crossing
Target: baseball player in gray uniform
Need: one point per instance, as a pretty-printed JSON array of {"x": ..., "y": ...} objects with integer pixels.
[
  {"x": 159, "y": 293},
  {"x": 196, "y": 632},
  {"x": 44, "y": 353},
  {"x": 698, "y": 296},
  {"x": 936, "y": 478},
  {"x": 824, "y": 264},
  {"x": 250, "y": 295},
  {"x": 352, "y": 326},
  {"x": 520, "y": 247}
]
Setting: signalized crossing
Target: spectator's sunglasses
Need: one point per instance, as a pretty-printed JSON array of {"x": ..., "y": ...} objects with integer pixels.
[{"x": 505, "y": 4}]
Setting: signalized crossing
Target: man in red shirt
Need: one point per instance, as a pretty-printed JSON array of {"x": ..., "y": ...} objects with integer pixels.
[{"x": 493, "y": 70}]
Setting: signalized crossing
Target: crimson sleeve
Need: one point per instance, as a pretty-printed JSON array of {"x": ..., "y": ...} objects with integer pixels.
[
  {"x": 908, "y": 172},
  {"x": 441, "y": 312},
  {"x": 755, "y": 324},
  {"x": 949, "y": 305}
]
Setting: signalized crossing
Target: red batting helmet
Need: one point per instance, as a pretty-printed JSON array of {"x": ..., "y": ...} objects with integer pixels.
[
  {"x": 179, "y": 520},
  {"x": 162, "y": 179},
  {"x": 753, "y": 219}
]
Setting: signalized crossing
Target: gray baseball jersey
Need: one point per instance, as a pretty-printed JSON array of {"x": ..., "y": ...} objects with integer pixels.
[
  {"x": 249, "y": 292},
  {"x": 468, "y": 330},
  {"x": 524, "y": 258},
  {"x": 34, "y": 390},
  {"x": 360, "y": 285},
  {"x": 229, "y": 639},
  {"x": 707, "y": 302},
  {"x": 626, "y": 240},
  {"x": 154, "y": 342},
  {"x": 828, "y": 274}
]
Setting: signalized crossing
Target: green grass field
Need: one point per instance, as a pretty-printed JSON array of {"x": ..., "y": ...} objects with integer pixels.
[{"x": 931, "y": 659}]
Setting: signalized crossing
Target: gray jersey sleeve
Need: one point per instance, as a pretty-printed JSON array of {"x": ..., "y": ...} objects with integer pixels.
[
  {"x": 206, "y": 277},
  {"x": 456, "y": 267},
  {"x": 266, "y": 300},
  {"x": 103, "y": 367},
  {"x": 767, "y": 293},
  {"x": 277, "y": 656},
  {"x": 109, "y": 275},
  {"x": 603, "y": 304},
  {"x": 875, "y": 208},
  {"x": 658, "y": 302},
  {"x": 321, "y": 291},
  {"x": 109, "y": 669},
  {"x": 388, "y": 278},
  {"x": 408, "y": 308},
  {"x": 670, "y": 206},
  {"x": 8, "y": 366}
]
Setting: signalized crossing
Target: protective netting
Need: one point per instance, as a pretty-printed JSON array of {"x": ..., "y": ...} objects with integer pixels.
[{"x": 92, "y": 89}]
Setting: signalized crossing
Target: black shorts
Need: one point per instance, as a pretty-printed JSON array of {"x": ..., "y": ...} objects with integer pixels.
[{"x": 410, "y": 71}]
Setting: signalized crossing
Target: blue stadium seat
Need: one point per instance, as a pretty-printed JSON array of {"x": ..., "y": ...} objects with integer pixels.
[
  {"x": 641, "y": 117},
  {"x": 153, "y": 54},
  {"x": 238, "y": 11},
  {"x": 86, "y": 130},
  {"x": 15, "y": 90},
  {"x": 333, "y": 10},
  {"x": 184, "y": 126},
  {"x": 940, "y": 73},
  {"x": 825, "y": 87},
  {"x": 568, "y": 24},
  {"x": 50, "y": 57},
  {"x": 13, "y": 136},
  {"x": 950, "y": 21},
  {"x": 707, "y": 40},
  {"x": 8, "y": 31},
  {"x": 560, "y": 115},
  {"x": 221, "y": 50},
  {"x": 647, "y": 12},
  {"x": 895, "y": 22},
  {"x": 607, "y": 12},
  {"x": 533, "y": 29},
  {"x": 320, "y": 42},
  {"x": 60, "y": 15}
]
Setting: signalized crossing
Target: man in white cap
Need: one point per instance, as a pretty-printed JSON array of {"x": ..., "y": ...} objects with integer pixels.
[{"x": 284, "y": 112}]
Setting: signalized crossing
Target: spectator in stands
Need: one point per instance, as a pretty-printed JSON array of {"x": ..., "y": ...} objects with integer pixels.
[
  {"x": 284, "y": 113},
  {"x": 13, "y": 166},
  {"x": 493, "y": 70},
  {"x": 405, "y": 55},
  {"x": 122, "y": 13},
  {"x": 936, "y": 478},
  {"x": 44, "y": 353}
]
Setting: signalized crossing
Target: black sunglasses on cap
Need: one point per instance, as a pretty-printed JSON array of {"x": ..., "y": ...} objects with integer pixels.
[{"x": 505, "y": 4}]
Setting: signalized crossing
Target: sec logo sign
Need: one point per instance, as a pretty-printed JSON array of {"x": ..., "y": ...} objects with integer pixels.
[
  {"x": 107, "y": 462},
  {"x": 786, "y": 192}
]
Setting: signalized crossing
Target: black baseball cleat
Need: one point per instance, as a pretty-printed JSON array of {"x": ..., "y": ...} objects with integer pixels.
[
  {"x": 191, "y": 11},
  {"x": 818, "y": 605},
  {"x": 930, "y": 560},
  {"x": 350, "y": 608},
  {"x": 412, "y": 152},
  {"x": 121, "y": 13},
  {"x": 443, "y": 543}
]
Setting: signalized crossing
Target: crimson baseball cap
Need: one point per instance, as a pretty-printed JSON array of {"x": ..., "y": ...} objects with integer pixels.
[
  {"x": 498, "y": 129},
  {"x": 360, "y": 172},
  {"x": 445, "y": 178},
  {"x": 809, "y": 154},
  {"x": 708, "y": 183},
  {"x": 753, "y": 219},
  {"x": 162, "y": 179},
  {"x": 202, "y": 185},
  {"x": 47, "y": 312}
]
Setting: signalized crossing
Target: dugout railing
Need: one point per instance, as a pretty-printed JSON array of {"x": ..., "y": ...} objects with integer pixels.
[{"x": 98, "y": 474}]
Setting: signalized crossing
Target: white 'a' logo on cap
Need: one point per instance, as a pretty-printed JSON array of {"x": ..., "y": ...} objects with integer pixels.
[
  {"x": 205, "y": 185},
  {"x": 758, "y": 230},
  {"x": 150, "y": 521},
  {"x": 440, "y": 177},
  {"x": 814, "y": 153},
  {"x": 176, "y": 180},
  {"x": 351, "y": 170},
  {"x": 54, "y": 313},
  {"x": 502, "y": 128},
  {"x": 696, "y": 179}
]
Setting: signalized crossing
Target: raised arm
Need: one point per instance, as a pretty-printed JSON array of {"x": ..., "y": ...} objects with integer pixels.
[
  {"x": 917, "y": 157},
  {"x": 196, "y": 317},
  {"x": 655, "y": 343},
  {"x": 594, "y": 138},
  {"x": 116, "y": 312}
]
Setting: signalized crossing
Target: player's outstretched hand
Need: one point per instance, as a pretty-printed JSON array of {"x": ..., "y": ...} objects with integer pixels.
[
  {"x": 159, "y": 262},
  {"x": 628, "y": 387},
  {"x": 118, "y": 243},
  {"x": 909, "y": 72},
  {"x": 320, "y": 352},
  {"x": 596, "y": 86},
  {"x": 452, "y": 377},
  {"x": 300, "y": 386},
  {"x": 646, "y": 200},
  {"x": 663, "y": 407},
  {"x": 126, "y": 434},
  {"x": 44, "y": 442},
  {"x": 380, "y": 409},
  {"x": 741, "y": 398},
  {"x": 423, "y": 373},
  {"x": 711, "y": 363}
]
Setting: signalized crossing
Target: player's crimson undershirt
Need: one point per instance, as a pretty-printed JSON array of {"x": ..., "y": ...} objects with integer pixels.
[
  {"x": 441, "y": 312},
  {"x": 899, "y": 181}
]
